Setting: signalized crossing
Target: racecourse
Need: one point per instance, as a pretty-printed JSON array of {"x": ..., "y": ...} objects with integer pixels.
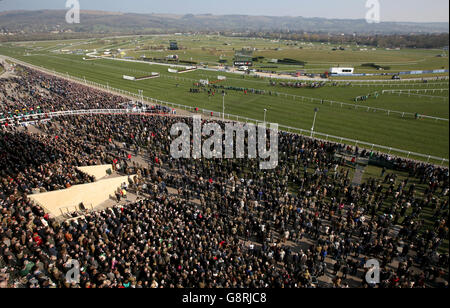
[{"x": 387, "y": 120}]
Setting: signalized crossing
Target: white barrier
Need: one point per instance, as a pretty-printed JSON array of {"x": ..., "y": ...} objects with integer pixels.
[{"x": 415, "y": 92}]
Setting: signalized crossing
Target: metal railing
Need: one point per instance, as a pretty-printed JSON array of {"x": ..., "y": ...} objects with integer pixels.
[{"x": 417, "y": 90}]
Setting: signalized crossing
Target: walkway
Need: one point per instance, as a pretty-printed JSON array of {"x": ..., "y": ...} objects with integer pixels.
[{"x": 361, "y": 165}]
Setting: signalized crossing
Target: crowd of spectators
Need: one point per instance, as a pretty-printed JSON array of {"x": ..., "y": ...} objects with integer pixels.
[
  {"x": 212, "y": 89},
  {"x": 34, "y": 92},
  {"x": 212, "y": 223}
]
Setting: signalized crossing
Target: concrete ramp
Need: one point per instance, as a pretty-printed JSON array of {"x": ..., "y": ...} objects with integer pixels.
[
  {"x": 361, "y": 165},
  {"x": 92, "y": 194},
  {"x": 98, "y": 172}
]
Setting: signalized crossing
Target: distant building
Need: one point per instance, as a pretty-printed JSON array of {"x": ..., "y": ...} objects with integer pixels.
[
  {"x": 341, "y": 71},
  {"x": 173, "y": 45},
  {"x": 243, "y": 57}
]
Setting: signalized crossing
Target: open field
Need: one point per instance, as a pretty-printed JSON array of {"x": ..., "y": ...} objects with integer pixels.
[{"x": 424, "y": 136}]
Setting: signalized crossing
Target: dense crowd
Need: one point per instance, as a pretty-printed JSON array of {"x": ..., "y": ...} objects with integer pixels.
[
  {"x": 212, "y": 89},
  {"x": 216, "y": 223},
  {"x": 312, "y": 85},
  {"x": 34, "y": 92}
]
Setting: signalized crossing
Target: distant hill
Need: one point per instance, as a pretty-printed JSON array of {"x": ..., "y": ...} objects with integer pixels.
[{"x": 96, "y": 22}]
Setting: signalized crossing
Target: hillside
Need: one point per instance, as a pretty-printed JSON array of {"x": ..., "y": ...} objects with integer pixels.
[{"x": 95, "y": 22}]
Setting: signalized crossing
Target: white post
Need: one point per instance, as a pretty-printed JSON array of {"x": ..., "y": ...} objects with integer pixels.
[{"x": 314, "y": 121}]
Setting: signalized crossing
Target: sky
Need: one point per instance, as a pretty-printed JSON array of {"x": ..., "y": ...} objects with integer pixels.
[{"x": 391, "y": 10}]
